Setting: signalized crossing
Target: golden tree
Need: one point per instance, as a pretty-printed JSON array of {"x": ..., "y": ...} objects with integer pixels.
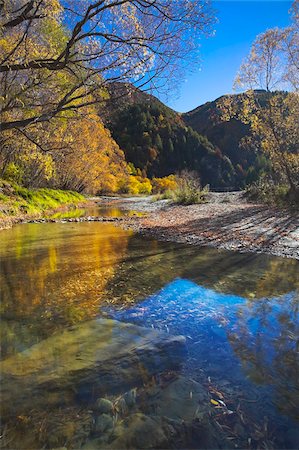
[
  {"x": 92, "y": 161},
  {"x": 273, "y": 63},
  {"x": 57, "y": 60},
  {"x": 104, "y": 41}
]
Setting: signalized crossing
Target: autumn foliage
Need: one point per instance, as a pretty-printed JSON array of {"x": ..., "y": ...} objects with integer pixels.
[{"x": 55, "y": 66}]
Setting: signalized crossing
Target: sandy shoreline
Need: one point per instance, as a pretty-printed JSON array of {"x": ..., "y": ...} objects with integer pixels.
[{"x": 227, "y": 221}]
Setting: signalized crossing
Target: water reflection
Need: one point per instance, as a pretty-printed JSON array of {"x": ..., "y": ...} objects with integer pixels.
[
  {"x": 239, "y": 312},
  {"x": 64, "y": 273},
  {"x": 96, "y": 211},
  {"x": 55, "y": 273},
  {"x": 251, "y": 344},
  {"x": 153, "y": 264},
  {"x": 265, "y": 337}
]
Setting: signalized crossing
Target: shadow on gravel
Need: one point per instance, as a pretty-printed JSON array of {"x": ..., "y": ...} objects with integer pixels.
[{"x": 255, "y": 225}]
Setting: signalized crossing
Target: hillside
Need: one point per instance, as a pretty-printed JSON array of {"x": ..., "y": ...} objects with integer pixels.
[
  {"x": 160, "y": 141},
  {"x": 227, "y": 136}
]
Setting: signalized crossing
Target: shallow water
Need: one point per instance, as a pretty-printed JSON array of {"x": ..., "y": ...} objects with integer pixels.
[
  {"x": 238, "y": 312},
  {"x": 94, "y": 211}
]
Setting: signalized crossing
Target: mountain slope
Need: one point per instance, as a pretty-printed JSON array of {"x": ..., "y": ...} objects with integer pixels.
[
  {"x": 226, "y": 136},
  {"x": 160, "y": 141}
]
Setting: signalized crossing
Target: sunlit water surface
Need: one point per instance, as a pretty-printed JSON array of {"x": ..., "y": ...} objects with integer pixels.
[{"x": 238, "y": 312}]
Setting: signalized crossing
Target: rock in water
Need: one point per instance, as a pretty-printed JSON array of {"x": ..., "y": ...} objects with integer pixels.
[
  {"x": 130, "y": 398},
  {"x": 183, "y": 399},
  {"x": 140, "y": 431},
  {"x": 103, "y": 424},
  {"x": 173, "y": 415},
  {"x": 104, "y": 406},
  {"x": 95, "y": 358}
]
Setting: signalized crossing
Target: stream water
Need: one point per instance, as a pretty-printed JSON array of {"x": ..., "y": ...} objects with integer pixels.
[{"x": 238, "y": 313}]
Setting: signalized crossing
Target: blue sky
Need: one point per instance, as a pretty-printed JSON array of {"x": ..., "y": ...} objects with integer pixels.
[{"x": 239, "y": 23}]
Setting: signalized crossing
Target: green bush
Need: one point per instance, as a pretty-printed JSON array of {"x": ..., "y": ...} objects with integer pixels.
[
  {"x": 166, "y": 195},
  {"x": 189, "y": 190},
  {"x": 267, "y": 191}
]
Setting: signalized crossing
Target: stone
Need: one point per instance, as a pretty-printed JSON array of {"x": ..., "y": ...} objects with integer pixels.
[
  {"x": 59, "y": 448},
  {"x": 183, "y": 399},
  {"x": 95, "y": 444},
  {"x": 130, "y": 398},
  {"x": 169, "y": 415},
  {"x": 104, "y": 423},
  {"x": 104, "y": 406},
  {"x": 292, "y": 438},
  {"x": 97, "y": 358},
  {"x": 139, "y": 431}
]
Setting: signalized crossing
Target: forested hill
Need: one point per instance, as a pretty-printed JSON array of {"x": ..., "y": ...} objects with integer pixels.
[
  {"x": 157, "y": 141},
  {"x": 160, "y": 141},
  {"x": 227, "y": 136}
]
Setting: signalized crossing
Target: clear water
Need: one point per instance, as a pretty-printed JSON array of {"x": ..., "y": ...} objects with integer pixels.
[{"x": 238, "y": 312}]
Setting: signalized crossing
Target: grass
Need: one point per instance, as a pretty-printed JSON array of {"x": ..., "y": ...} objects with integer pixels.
[{"x": 16, "y": 200}]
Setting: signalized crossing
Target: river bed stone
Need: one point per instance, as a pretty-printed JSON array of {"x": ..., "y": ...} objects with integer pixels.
[
  {"x": 92, "y": 359},
  {"x": 164, "y": 415}
]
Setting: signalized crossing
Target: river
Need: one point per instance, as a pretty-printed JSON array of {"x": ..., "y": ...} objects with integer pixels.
[{"x": 238, "y": 314}]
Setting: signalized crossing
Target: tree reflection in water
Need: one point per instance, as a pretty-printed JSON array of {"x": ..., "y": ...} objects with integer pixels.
[
  {"x": 53, "y": 276},
  {"x": 252, "y": 343},
  {"x": 265, "y": 339},
  {"x": 239, "y": 312}
]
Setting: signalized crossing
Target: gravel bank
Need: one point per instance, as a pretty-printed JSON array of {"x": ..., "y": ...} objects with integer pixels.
[{"x": 227, "y": 221}]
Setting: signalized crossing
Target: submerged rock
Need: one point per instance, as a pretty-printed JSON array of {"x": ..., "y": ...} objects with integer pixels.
[
  {"x": 175, "y": 414},
  {"x": 95, "y": 358},
  {"x": 140, "y": 431},
  {"x": 104, "y": 406},
  {"x": 104, "y": 423},
  {"x": 182, "y": 399},
  {"x": 130, "y": 398},
  {"x": 136, "y": 431}
]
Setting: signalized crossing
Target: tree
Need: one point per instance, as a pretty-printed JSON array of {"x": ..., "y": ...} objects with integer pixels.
[
  {"x": 263, "y": 67},
  {"x": 158, "y": 142},
  {"x": 84, "y": 46},
  {"x": 93, "y": 162},
  {"x": 273, "y": 116},
  {"x": 76, "y": 153},
  {"x": 291, "y": 47},
  {"x": 273, "y": 61}
]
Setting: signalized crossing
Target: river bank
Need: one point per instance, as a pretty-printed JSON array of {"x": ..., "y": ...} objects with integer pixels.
[
  {"x": 227, "y": 221},
  {"x": 19, "y": 204}
]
